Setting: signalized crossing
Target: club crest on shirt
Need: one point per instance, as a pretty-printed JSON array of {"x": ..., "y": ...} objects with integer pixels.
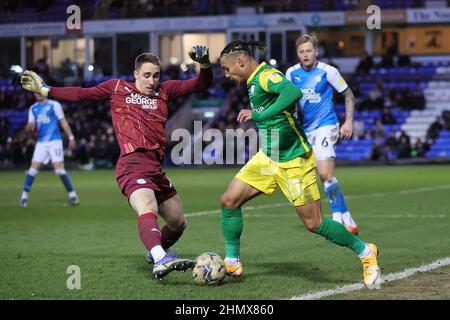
[{"x": 141, "y": 181}]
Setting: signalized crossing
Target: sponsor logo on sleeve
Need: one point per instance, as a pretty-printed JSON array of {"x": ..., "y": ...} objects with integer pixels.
[{"x": 275, "y": 77}]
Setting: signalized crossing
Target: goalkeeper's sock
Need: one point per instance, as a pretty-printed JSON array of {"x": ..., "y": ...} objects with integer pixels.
[
  {"x": 232, "y": 225},
  {"x": 169, "y": 237},
  {"x": 151, "y": 235},
  {"x": 338, "y": 234}
]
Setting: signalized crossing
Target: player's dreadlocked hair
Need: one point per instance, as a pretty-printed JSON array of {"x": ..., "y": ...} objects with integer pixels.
[{"x": 246, "y": 47}]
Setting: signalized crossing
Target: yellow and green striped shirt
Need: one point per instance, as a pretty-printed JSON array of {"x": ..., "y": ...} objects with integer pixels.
[{"x": 273, "y": 99}]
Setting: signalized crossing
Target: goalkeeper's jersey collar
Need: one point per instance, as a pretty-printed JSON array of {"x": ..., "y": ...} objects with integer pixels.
[{"x": 262, "y": 64}]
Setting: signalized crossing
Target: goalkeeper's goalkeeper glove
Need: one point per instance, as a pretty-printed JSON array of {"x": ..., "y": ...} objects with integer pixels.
[
  {"x": 201, "y": 55},
  {"x": 32, "y": 82}
]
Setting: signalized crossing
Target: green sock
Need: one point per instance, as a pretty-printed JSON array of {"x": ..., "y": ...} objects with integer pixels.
[
  {"x": 337, "y": 233},
  {"x": 232, "y": 225}
]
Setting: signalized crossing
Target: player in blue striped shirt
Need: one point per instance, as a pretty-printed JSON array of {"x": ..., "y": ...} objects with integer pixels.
[
  {"x": 45, "y": 116},
  {"x": 318, "y": 80}
]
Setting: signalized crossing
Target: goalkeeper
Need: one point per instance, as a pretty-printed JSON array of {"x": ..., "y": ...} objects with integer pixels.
[
  {"x": 286, "y": 161},
  {"x": 139, "y": 112}
]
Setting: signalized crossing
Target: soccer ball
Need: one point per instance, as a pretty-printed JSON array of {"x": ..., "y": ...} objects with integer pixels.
[{"x": 209, "y": 268}]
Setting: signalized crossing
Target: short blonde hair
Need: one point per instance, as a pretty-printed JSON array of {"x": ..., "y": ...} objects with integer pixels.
[{"x": 307, "y": 38}]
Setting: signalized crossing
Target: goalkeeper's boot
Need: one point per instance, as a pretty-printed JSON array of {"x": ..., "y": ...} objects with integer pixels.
[
  {"x": 170, "y": 263},
  {"x": 371, "y": 270},
  {"x": 149, "y": 258},
  {"x": 23, "y": 202},
  {"x": 233, "y": 267}
]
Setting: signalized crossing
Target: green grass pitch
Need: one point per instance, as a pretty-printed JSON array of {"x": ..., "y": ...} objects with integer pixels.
[{"x": 405, "y": 210}]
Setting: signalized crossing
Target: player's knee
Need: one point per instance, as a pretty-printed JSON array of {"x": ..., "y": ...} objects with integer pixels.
[
  {"x": 33, "y": 172},
  {"x": 228, "y": 202},
  {"x": 312, "y": 226},
  {"x": 60, "y": 172},
  {"x": 178, "y": 225},
  {"x": 181, "y": 225},
  {"x": 325, "y": 176}
]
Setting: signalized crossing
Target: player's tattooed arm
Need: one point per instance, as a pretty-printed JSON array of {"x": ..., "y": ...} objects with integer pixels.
[{"x": 347, "y": 127}]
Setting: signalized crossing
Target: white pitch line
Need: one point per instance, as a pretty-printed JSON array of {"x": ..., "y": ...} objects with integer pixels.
[
  {"x": 390, "y": 277},
  {"x": 378, "y": 216},
  {"x": 286, "y": 203}
]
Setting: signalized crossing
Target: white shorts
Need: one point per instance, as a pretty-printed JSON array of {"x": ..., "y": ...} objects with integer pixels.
[
  {"x": 51, "y": 150},
  {"x": 323, "y": 141}
]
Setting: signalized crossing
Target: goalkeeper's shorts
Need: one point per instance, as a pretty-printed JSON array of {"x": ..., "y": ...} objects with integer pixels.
[{"x": 142, "y": 169}]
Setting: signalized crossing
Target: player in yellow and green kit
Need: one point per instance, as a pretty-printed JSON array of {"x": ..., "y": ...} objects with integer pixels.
[{"x": 286, "y": 160}]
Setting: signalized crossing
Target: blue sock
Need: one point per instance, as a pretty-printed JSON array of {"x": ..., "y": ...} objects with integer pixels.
[
  {"x": 332, "y": 192},
  {"x": 67, "y": 182},
  {"x": 336, "y": 197},
  {"x": 28, "y": 182}
]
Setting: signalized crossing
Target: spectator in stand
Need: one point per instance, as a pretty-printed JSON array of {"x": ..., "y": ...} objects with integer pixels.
[
  {"x": 387, "y": 61},
  {"x": 365, "y": 64},
  {"x": 403, "y": 98},
  {"x": 358, "y": 129},
  {"x": 411, "y": 100},
  {"x": 417, "y": 99},
  {"x": 446, "y": 119},
  {"x": 375, "y": 99},
  {"x": 387, "y": 117},
  {"x": 379, "y": 131},
  {"x": 378, "y": 152},
  {"x": 404, "y": 61},
  {"x": 419, "y": 149},
  {"x": 403, "y": 134},
  {"x": 390, "y": 98},
  {"x": 435, "y": 128},
  {"x": 391, "y": 144},
  {"x": 42, "y": 68},
  {"x": 404, "y": 148},
  {"x": 4, "y": 129}
]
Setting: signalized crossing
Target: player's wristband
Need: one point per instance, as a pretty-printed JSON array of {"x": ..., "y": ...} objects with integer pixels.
[
  {"x": 205, "y": 65},
  {"x": 71, "y": 138}
]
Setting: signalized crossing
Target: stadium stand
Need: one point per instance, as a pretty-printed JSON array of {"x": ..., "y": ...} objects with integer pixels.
[
  {"x": 378, "y": 118},
  {"x": 401, "y": 104},
  {"x": 50, "y": 10}
]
